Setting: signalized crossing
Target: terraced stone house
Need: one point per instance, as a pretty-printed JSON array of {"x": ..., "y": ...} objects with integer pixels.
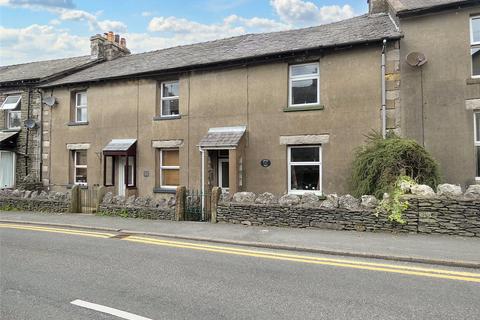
[{"x": 281, "y": 112}]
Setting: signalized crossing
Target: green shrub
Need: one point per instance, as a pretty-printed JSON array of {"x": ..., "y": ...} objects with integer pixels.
[
  {"x": 379, "y": 164},
  {"x": 393, "y": 205}
]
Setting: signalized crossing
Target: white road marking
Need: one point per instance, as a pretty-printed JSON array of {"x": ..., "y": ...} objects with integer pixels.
[{"x": 104, "y": 309}]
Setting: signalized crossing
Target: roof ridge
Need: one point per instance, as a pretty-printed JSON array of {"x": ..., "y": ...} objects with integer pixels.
[{"x": 248, "y": 35}]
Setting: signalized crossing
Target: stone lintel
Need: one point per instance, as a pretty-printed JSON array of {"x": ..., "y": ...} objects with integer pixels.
[{"x": 305, "y": 139}]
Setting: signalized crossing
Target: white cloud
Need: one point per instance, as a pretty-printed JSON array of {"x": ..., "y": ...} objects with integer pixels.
[
  {"x": 40, "y": 42},
  {"x": 300, "y": 12},
  {"x": 147, "y": 13}
]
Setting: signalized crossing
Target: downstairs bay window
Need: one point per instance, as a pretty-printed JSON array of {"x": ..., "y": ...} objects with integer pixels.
[{"x": 304, "y": 169}]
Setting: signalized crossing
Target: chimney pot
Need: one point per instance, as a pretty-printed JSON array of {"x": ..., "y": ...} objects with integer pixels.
[
  {"x": 110, "y": 36},
  {"x": 123, "y": 43},
  {"x": 117, "y": 38}
]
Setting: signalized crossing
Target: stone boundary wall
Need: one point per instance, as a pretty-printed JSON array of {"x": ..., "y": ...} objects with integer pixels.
[
  {"x": 39, "y": 205},
  {"x": 449, "y": 211},
  {"x": 137, "y": 212},
  {"x": 138, "y": 207}
]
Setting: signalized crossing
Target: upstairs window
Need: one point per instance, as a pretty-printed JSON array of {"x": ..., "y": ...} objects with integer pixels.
[
  {"x": 13, "y": 114},
  {"x": 304, "y": 85},
  {"x": 169, "y": 99},
  {"x": 475, "y": 45},
  {"x": 81, "y": 114}
]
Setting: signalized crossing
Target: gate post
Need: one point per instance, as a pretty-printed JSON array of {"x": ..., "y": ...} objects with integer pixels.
[
  {"x": 100, "y": 195},
  {"x": 180, "y": 196},
  {"x": 75, "y": 205},
  {"x": 216, "y": 193}
]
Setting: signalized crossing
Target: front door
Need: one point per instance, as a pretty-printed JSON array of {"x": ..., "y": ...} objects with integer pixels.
[
  {"x": 7, "y": 169},
  {"x": 223, "y": 176},
  {"x": 121, "y": 163}
]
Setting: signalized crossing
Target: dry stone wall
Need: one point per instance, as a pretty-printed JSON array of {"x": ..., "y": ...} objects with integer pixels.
[
  {"x": 445, "y": 212},
  {"x": 38, "y": 201}
]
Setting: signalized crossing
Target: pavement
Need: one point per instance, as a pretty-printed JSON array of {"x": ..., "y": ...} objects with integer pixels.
[
  {"x": 432, "y": 249},
  {"x": 53, "y": 274}
]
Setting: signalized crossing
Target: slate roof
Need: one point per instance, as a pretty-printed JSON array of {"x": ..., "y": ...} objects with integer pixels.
[
  {"x": 226, "y": 137},
  {"x": 35, "y": 71},
  {"x": 361, "y": 29},
  {"x": 405, "y": 6}
]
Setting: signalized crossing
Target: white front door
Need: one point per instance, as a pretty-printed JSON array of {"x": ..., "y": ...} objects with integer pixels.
[
  {"x": 121, "y": 163},
  {"x": 223, "y": 176},
  {"x": 7, "y": 169}
]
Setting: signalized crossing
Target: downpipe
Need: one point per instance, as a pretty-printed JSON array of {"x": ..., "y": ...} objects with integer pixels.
[
  {"x": 384, "y": 98},
  {"x": 202, "y": 179}
]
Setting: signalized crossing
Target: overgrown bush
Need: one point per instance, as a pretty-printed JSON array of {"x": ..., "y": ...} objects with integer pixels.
[{"x": 379, "y": 164}]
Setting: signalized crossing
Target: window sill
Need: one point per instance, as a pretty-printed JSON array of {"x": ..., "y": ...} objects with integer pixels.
[
  {"x": 160, "y": 118},
  {"x": 81, "y": 186},
  {"x": 306, "y": 108},
  {"x": 11, "y": 130},
  {"x": 75, "y": 124},
  {"x": 164, "y": 190}
]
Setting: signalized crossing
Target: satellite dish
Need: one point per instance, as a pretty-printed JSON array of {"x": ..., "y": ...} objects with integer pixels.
[
  {"x": 30, "y": 124},
  {"x": 416, "y": 59},
  {"x": 49, "y": 101}
]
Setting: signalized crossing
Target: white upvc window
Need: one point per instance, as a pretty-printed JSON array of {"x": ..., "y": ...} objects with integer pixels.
[
  {"x": 13, "y": 114},
  {"x": 81, "y": 107},
  {"x": 305, "y": 169},
  {"x": 7, "y": 169},
  {"x": 80, "y": 167},
  {"x": 169, "y": 98},
  {"x": 169, "y": 168},
  {"x": 475, "y": 45},
  {"x": 477, "y": 143},
  {"x": 304, "y": 85}
]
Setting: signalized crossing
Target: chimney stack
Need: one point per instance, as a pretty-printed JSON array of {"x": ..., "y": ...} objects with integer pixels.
[
  {"x": 377, "y": 6},
  {"x": 108, "y": 47}
]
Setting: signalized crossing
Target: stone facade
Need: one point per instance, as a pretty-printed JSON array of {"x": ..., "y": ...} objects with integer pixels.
[
  {"x": 427, "y": 215},
  {"x": 28, "y": 158}
]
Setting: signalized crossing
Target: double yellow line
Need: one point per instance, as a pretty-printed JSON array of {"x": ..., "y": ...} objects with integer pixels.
[{"x": 382, "y": 267}]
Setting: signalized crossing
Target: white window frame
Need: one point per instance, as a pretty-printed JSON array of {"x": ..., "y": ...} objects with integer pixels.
[
  {"x": 11, "y": 106},
  {"x": 79, "y": 166},
  {"x": 14, "y": 159},
  {"x": 473, "y": 45},
  {"x": 162, "y": 167},
  {"x": 476, "y": 140},
  {"x": 162, "y": 98},
  {"x": 310, "y": 163},
  {"x": 312, "y": 76},
  {"x": 10, "y": 112},
  {"x": 77, "y": 106}
]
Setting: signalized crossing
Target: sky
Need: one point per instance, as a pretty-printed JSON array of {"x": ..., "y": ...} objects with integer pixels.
[{"x": 33, "y": 30}]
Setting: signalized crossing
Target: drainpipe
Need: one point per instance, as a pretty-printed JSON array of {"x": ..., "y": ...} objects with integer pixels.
[
  {"x": 202, "y": 179},
  {"x": 41, "y": 138},
  {"x": 384, "y": 103},
  {"x": 28, "y": 133}
]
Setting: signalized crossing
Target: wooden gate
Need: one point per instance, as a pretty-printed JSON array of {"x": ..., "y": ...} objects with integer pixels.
[{"x": 88, "y": 198}]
